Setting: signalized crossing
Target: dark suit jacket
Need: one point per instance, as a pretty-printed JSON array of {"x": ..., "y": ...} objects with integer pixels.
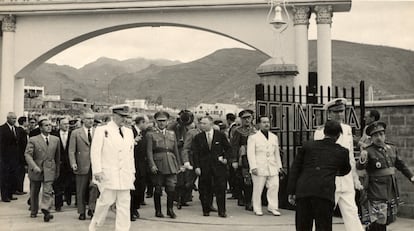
[
  {"x": 46, "y": 157},
  {"x": 315, "y": 167},
  {"x": 140, "y": 154},
  {"x": 12, "y": 147},
  {"x": 34, "y": 132},
  {"x": 64, "y": 152},
  {"x": 206, "y": 159}
]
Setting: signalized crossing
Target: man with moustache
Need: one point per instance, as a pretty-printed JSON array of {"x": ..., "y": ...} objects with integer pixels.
[
  {"x": 140, "y": 157},
  {"x": 112, "y": 160},
  {"x": 211, "y": 150},
  {"x": 62, "y": 185},
  {"x": 43, "y": 158},
  {"x": 80, "y": 162}
]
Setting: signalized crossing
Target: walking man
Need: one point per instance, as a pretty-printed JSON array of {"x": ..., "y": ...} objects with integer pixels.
[
  {"x": 43, "y": 157},
  {"x": 112, "y": 159},
  {"x": 265, "y": 163}
]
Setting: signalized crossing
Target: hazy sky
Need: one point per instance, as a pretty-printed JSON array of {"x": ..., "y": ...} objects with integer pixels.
[{"x": 387, "y": 23}]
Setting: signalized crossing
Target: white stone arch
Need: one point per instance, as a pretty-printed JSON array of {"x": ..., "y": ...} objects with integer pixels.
[{"x": 25, "y": 71}]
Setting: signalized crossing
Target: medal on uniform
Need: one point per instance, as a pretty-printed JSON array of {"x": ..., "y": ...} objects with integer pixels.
[{"x": 378, "y": 165}]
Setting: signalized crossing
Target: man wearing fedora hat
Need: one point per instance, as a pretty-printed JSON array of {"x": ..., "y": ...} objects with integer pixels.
[
  {"x": 112, "y": 160},
  {"x": 345, "y": 185},
  {"x": 380, "y": 160}
]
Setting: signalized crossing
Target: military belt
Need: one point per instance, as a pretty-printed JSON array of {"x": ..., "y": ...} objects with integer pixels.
[{"x": 383, "y": 172}]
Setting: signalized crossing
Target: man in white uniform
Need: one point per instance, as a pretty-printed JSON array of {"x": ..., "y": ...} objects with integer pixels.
[
  {"x": 264, "y": 161},
  {"x": 112, "y": 159},
  {"x": 345, "y": 185}
]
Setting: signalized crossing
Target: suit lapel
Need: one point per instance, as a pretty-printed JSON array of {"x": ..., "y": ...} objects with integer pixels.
[
  {"x": 84, "y": 136},
  {"x": 42, "y": 143}
]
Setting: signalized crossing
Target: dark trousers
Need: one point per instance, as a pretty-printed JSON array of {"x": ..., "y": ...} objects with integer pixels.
[
  {"x": 234, "y": 188},
  {"x": 47, "y": 196},
  {"x": 311, "y": 209},
  {"x": 86, "y": 193},
  {"x": 185, "y": 185},
  {"x": 62, "y": 187},
  {"x": 376, "y": 227},
  {"x": 209, "y": 184},
  {"x": 243, "y": 187},
  {"x": 137, "y": 195},
  {"x": 8, "y": 178},
  {"x": 20, "y": 173}
]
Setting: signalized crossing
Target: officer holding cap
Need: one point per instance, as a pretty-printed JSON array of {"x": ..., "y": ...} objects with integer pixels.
[
  {"x": 345, "y": 185},
  {"x": 164, "y": 161},
  {"x": 112, "y": 160},
  {"x": 381, "y": 159}
]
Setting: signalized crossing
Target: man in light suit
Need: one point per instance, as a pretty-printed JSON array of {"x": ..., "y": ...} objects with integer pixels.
[
  {"x": 345, "y": 185},
  {"x": 264, "y": 161},
  {"x": 112, "y": 159},
  {"x": 43, "y": 157},
  {"x": 80, "y": 161},
  {"x": 211, "y": 150}
]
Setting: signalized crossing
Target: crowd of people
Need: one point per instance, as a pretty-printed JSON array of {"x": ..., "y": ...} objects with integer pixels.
[{"x": 117, "y": 163}]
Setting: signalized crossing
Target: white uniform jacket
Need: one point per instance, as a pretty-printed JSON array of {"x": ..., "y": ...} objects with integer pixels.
[
  {"x": 114, "y": 157},
  {"x": 343, "y": 183},
  {"x": 264, "y": 154}
]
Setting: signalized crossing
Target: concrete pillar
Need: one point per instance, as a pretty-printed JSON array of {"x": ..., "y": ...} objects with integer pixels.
[
  {"x": 301, "y": 22},
  {"x": 7, "y": 70},
  {"x": 19, "y": 96},
  {"x": 324, "y": 21}
]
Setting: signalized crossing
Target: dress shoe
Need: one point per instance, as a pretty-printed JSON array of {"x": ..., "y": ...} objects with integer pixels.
[
  {"x": 212, "y": 209},
  {"x": 82, "y": 217},
  {"x": 137, "y": 214},
  {"x": 149, "y": 195},
  {"x": 47, "y": 216},
  {"x": 184, "y": 204},
  {"x": 58, "y": 209},
  {"x": 258, "y": 213},
  {"x": 33, "y": 215},
  {"x": 206, "y": 214},
  {"x": 223, "y": 215},
  {"x": 240, "y": 202},
  {"x": 232, "y": 198},
  {"x": 90, "y": 212},
  {"x": 143, "y": 203},
  {"x": 275, "y": 212},
  {"x": 19, "y": 193},
  {"x": 133, "y": 217},
  {"x": 179, "y": 205},
  {"x": 5, "y": 200},
  {"x": 170, "y": 213},
  {"x": 13, "y": 198},
  {"x": 159, "y": 214},
  {"x": 249, "y": 207}
]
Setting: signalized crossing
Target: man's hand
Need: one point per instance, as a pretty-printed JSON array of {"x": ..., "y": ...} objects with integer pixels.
[
  {"x": 357, "y": 184},
  {"x": 99, "y": 177},
  {"x": 292, "y": 199},
  {"x": 154, "y": 169},
  {"x": 235, "y": 165},
  {"x": 74, "y": 167},
  {"x": 363, "y": 156},
  {"x": 37, "y": 170},
  {"x": 222, "y": 160},
  {"x": 198, "y": 171},
  {"x": 188, "y": 166},
  {"x": 254, "y": 171},
  {"x": 412, "y": 179}
]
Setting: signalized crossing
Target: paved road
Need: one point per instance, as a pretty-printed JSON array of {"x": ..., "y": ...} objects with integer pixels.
[{"x": 14, "y": 216}]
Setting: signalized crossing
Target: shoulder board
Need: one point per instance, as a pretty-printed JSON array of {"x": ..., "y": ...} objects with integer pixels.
[{"x": 387, "y": 142}]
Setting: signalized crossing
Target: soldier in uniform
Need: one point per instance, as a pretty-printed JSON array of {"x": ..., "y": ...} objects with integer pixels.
[
  {"x": 345, "y": 185},
  {"x": 381, "y": 159},
  {"x": 243, "y": 186},
  {"x": 164, "y": 161}
]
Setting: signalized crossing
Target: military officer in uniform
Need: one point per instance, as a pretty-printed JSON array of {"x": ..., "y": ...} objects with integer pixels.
[
  {"x": 381, "y": 159},
  {"x": 345, "y": 185},
  {"x": 164, "y": 161},
  {"x": 243, "y": 186},
  {"x": 112, "y": 161}
]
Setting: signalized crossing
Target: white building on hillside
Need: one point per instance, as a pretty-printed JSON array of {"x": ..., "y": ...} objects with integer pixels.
[
  {"x": 216, "y": 110},
  {"x": 137, "y": 103}
]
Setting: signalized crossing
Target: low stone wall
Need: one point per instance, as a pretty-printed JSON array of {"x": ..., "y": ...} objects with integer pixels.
[{"x": 399, "y": 116}]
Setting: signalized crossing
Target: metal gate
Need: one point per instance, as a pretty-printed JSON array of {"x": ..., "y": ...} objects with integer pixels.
[{"x": 295, "y": 114}]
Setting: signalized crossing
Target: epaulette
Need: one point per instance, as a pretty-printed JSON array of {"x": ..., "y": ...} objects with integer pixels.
[{"x": 387, "y": 142}]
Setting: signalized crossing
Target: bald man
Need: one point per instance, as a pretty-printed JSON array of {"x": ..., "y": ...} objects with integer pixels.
[{"x": 12, "y": 144}]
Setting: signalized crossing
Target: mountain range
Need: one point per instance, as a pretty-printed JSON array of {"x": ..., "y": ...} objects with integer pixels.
[{"x": 225, "y": 76}]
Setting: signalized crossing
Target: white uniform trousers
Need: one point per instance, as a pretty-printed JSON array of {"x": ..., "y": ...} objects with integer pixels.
[
  {"x": 272, "y": 184},
  {"x": 105, "y": 200},
  {"x": 349, "y": 210}
]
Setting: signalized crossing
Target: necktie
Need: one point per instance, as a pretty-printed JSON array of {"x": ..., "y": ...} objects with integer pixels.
[
  {"x": 14, "y": 131},
  {"x": 89, "y": 136},
  {"x": 47, "y": 141},
  {"x": 120, "y": 132}
]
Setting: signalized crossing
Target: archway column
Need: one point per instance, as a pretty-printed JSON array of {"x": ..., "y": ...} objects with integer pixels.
[
  {"x": 301, "y": 24},
  {"x": 7, "y": 67},
  {"x": 324, "y": 56}
]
